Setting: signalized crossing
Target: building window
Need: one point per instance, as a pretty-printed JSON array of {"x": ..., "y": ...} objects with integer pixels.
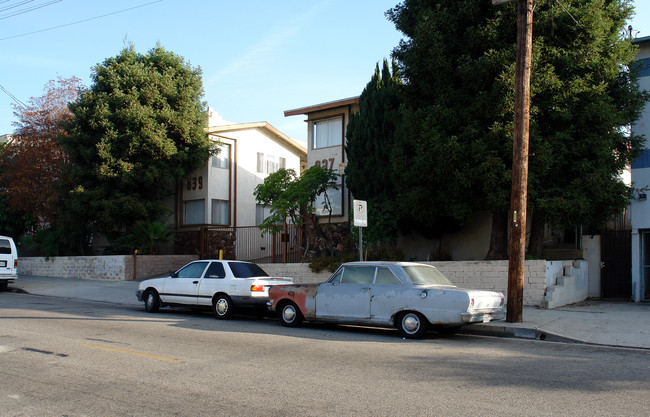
[
  {"x": 222, "y": 159},
  {"x": 328, "y": 133},
  {"x": 261, "y": 213},
  {"x": 220, "y": 212},
  {"x": 194, "y": 212},
  {"x": 336, "y": 200},
  {"x": 268, "y": 164}
]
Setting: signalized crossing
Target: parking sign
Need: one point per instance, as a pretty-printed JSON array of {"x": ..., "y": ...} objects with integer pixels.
[{"x": 360, "y": 213}]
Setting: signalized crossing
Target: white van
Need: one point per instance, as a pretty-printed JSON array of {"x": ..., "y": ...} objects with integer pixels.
[{"x": 8, "y": 262}]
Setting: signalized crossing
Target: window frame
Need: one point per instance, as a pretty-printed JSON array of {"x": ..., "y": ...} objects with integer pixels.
[{"x": 340, "y": 138}]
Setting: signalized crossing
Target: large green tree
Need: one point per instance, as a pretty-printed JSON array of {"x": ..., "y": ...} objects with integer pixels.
[
  {"x": 455, "y": 155},
  {"x": 369, "y": 148},
  {"x": 135, "y": 132}
]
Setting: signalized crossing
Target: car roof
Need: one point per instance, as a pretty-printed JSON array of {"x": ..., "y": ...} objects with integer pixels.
[
  {"x": 385, "y": 263},
  {"x": 221, "y": 260}
]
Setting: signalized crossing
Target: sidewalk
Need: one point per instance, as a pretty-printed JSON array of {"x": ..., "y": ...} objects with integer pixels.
[{"x": 608, "y": 323}]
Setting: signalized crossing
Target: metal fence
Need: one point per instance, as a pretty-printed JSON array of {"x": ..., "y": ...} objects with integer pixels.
[{"x": 248, "y": 244}]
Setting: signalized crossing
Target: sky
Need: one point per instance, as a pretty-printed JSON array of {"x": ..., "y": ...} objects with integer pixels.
[{"x": 258, "y": 57}]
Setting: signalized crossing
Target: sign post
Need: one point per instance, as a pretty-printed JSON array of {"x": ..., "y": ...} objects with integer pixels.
[{"x": 361, "y": 221}]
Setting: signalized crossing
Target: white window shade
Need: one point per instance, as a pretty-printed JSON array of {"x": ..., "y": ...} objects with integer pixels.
[
  {"x": 194, "y": 212},
  {"x": 328, "y": 133},
  {"x": 220, "y": 212}
]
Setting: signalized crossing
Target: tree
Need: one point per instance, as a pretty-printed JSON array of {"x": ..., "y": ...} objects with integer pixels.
[
  {"x": 456, "y": 151},
  {"x": 292, "y": 197},
  {"x": 13, "y": 223},
  {"x": 369, "y": 148},
  {"x": 145, "y": 237},
  {"x": 31, "y": 167},
  {"x": 137, "y": 131}
]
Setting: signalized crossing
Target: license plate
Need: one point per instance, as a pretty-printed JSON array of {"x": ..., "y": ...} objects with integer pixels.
[
  {"x": 3, "y": 264},
  {"x": 486, "y": 318}
]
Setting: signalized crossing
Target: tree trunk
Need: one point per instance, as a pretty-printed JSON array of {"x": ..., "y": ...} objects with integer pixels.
[
  {"x": 536, "y": 242},
  {"x": 498, "y": 237}
]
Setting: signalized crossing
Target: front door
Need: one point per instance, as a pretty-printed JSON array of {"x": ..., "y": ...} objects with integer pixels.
[
  {"x": 645, "y": 265},
  {"x": 183, "y": 287},
  {"x": 348, "y": 299},
  {"x": 616, "y": 257}
]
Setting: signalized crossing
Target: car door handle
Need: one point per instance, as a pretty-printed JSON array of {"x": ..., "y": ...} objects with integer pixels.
[{"x": 195, "y": 282}]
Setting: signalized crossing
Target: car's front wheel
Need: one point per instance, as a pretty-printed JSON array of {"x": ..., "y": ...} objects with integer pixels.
[
  {"x": 290, "y": 315},
  {"x": 412, "y": 325},
  {"x": 151, "y": 301},
  {"x": 223, "y": 306}
]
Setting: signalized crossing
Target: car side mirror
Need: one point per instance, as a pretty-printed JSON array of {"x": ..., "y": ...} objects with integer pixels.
[{"x": 173, "y": 274}]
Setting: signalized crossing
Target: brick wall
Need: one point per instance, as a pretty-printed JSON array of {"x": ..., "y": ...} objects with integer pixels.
[{"x": 148, "y": 266}]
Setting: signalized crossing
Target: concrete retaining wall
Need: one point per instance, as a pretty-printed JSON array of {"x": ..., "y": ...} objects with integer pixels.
[
  {"x": 482, "y": 275},
  {"x": 109, "y": 268}
]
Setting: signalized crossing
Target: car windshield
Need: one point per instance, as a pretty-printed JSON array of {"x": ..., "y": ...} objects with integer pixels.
[
  {"x": 426, "y": 275},
  {"x": 246, "y": 270}
]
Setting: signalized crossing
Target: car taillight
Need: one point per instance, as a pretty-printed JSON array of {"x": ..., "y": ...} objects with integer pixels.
[
  {"x": 257, "y": 288},
  {"x": 471, "y": 302},
  {"x": 15, "y": 263}
]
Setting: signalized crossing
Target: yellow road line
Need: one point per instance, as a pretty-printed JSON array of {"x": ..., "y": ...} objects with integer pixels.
[{"x": 131, "y": 352}]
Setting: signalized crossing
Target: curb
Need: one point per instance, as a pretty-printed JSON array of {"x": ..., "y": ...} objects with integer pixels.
[{"x": 516, "y": 333}]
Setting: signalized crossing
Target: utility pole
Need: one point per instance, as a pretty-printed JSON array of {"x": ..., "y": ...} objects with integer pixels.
[{"x": 520, "y": 160}]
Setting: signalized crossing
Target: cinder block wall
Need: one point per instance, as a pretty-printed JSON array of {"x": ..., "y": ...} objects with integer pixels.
[
  {"x": 109, "y": 268},
  {"x": 493, "y": 275},
  {"x": 479, "y": 275},
  {"x": 300, "y": 273}
]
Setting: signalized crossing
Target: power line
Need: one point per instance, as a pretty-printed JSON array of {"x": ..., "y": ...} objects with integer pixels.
[
  {"x": 569, "y": 13},
  {"x": 14, "y": 98},
  {"x": 40, "y": 6},
  {"x": 15, "y": 5},
  {"x": 81, "y": 21}
]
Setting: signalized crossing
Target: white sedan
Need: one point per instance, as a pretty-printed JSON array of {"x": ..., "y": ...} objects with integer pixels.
[
  {"x": 409, "y": 296},
  {"x": 217, "y": 284}
]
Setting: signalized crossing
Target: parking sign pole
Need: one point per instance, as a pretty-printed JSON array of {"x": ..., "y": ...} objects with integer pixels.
[
  {"x": 361, "y": 243},
  {"x": 361, "y": 221}
]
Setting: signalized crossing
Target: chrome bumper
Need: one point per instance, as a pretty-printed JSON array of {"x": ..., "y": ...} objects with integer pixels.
[{"x": 483, "y": 316}]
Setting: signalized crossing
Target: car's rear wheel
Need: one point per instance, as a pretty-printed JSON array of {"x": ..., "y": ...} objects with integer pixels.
[
  {"x": 223, "y": 306},
  {"x": 151, "y": 301},
  {"x": 3, "y": 285},
  {"x": 290, "y": 315},
  {"x": 412, "y": 325}
]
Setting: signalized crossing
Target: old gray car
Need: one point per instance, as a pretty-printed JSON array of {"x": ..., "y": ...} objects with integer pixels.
[{"x": 409, "y": 296}]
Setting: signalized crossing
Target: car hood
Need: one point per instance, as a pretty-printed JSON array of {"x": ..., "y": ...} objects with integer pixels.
[{"x": 153, "y": 282}]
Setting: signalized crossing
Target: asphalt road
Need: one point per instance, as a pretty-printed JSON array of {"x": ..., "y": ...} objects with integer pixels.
[{"x": 61, "y": 357}]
